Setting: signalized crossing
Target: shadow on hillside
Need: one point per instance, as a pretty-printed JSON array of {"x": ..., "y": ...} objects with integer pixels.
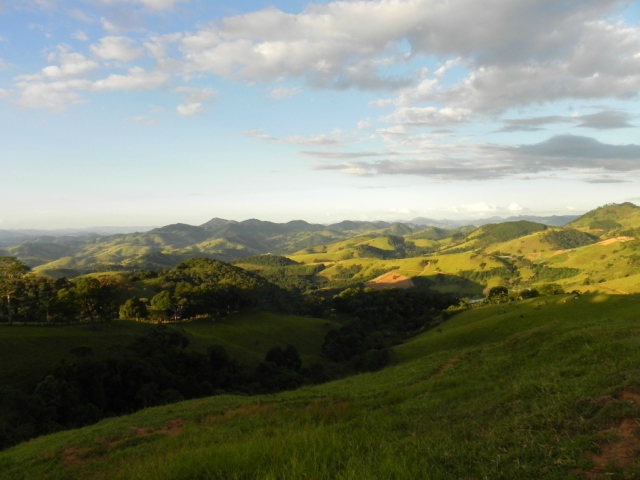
[{"x": 444, "y": 283}]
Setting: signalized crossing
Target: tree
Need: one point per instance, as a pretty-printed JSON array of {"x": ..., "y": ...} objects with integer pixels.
[
  {"x": 11, "y": 272},
  {"x": 133, "y": 308},
  {"x": 498, "y": 294}
]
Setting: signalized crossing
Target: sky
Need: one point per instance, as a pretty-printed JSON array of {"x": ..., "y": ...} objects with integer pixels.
[{"x": 152, "y": 112}]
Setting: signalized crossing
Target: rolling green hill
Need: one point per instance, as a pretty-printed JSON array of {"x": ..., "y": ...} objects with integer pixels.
[
  {"x": 626, "y": 215},
  {"x": 542, "y": 388}
]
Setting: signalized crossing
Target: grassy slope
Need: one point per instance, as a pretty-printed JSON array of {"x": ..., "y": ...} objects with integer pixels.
[
  {"x": 246, "y": 336},
  {"x": 492, "y": 394},
  {"x": 250, "y": 336},
  {"x": 27, "y": 353}
]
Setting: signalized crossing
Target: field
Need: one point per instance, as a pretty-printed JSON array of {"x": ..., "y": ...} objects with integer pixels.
[
  {"x": 247, "y": 337},
  {"x": 541, "y": 388}
]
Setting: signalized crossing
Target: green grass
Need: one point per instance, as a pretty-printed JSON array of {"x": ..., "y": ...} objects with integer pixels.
[
  {"x": 27, "y": 353},
  {"x": 249, "y": 336},
  {"x": 490, "y": 395}
]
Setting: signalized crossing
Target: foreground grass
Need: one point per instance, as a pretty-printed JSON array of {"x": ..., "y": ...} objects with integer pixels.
[{"x": 492, "y": 394}]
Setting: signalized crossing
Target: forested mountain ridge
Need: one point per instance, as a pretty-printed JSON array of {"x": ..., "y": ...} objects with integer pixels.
[{"x": 228, "y": 240}]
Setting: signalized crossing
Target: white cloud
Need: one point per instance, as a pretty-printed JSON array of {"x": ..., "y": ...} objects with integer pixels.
[
  {"x": 347, "y": 44},
  {"x": 135, "y": 79},
  {"x": 55, "y": 95},
  {"x": 116, "y": 48},
  {"x": 156, "y": 45},
  {"x": 281, "y": 93},
  {"x": 160, "y": 4},
  {"x": 430, "y": 116},
  {"x": 190, "y": 109},
  {"x": 151, "y": 4},
  {"x": 515, "y": 208},
  {"x": 71, "y": 65},
  {"x": 80, "y": 35},
  {"x": 196, "y": 101}
]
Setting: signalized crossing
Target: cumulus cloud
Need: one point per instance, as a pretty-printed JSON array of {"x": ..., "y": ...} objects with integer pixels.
[
  {"x": 135, "y": 79},
  {"x": 195, "y": 101},
  {"x": 429, "y": 116},
  {"x": 54, "y": 95},
  {"x": 505, "y": 47},
  {"x": 515, "y": 208},
  {"x": 494, "y": 56},
  {"x": 122, "y": 49}
]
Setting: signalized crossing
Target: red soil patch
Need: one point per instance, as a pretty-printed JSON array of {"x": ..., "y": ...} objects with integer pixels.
[
  {"x": 609, "y": 241},
  {"x": 620, "y": 452},
  {"x": 620, "y": 445},
  {"x": 75, "y": 456},
  {"x": 390, "y": 280},
  {"x": 447, "y": 366},
  {"x": 171, "y": 428}
]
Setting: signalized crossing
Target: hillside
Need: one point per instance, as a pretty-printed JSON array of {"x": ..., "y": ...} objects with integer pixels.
[
  {"x": 246, "y": 337},
  {"x": 542, "y": 388},
  {"x": 609, "y": 217}
]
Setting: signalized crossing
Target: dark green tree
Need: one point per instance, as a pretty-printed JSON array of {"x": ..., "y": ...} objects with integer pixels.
[
  {"x": 12, "y": 271},
  {"x": 134, "y": 308}
]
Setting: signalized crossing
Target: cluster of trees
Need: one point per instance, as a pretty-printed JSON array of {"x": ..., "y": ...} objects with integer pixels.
[
  {"x": 285, "y": 273},
  {"x": 401, "y": 249},
  {"x": 544, "y": 273},
  {"x": 154, "y": 369},
  {"x": 568, "y": 238},
  {"x": 30, "y": 298},
  {"x": 505, "y": 231},
  {"x": 604, "y": 225},
  {"x": 502, "y": 294},
  {"x": 380, "y": 319},
  {"x": 197, "y": 286}
]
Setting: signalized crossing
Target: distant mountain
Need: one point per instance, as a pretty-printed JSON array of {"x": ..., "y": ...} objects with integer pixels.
[
  {"x": 88, "y": 251},
  {"x": 552, "y": 221}
]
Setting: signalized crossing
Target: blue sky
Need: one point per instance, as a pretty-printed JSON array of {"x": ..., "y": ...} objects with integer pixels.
[{"x": 150, "y": 112}]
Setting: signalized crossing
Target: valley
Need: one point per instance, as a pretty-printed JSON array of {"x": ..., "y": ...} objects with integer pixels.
[{"x": 356, "y": 350}]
